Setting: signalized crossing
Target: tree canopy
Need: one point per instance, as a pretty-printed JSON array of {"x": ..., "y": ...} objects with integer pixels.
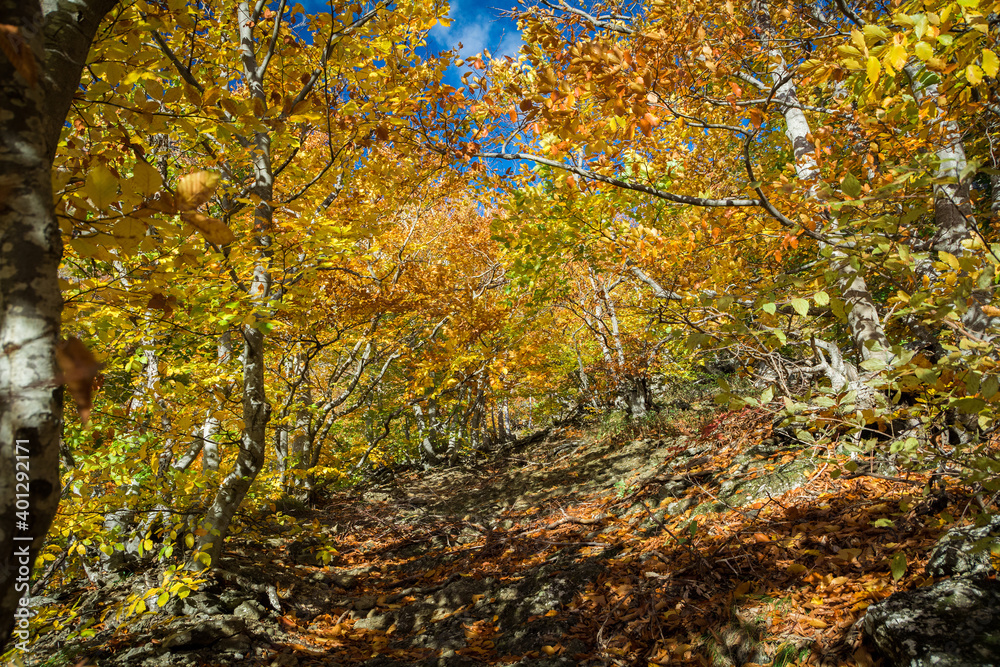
[{"x": 296, "y": 249}]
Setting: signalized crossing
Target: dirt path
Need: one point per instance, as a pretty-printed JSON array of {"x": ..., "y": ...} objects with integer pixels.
[{"x": 698, "y": 539}]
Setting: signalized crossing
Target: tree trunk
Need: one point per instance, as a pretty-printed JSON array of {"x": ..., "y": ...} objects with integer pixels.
[
  {"x": 35, "y": 94},
  {"x": 210, "y": 454},
  {"x": 862, "y": 313},
  {"x": 953, "y": 213},
  {"x": 256, "y": 409}
]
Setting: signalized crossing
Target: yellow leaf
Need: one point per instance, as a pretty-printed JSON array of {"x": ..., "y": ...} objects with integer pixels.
[
  {"x": 101, "y": 186},
  {"x": 990, "y": 63},
  {"x": 874, "y": 69},
  {"x": 924, "y": 50},
  {"x": 816, "y": 623},
  {"x": 189, "y": 541},
  {"x": 897, "y": 57},
  {"x": 949, "y": 259},
  {"x": 128, "y": 231},
  {"x": 973, "y": 74},
  {"x": 859, "y": 40},
  {"x": 213, "y": 229},
  {"x": 195, "y": 189},
  {"x": 146, "y": 178}
]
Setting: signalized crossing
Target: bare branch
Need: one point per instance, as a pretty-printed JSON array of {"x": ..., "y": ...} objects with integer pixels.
[{"x": 627, "y": 185}]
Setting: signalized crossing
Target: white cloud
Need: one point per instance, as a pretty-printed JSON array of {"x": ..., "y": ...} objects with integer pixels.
[
  {"x": 510, "y": 44},
  {"x": 476, "y": 28},
  {"x": 474, "y": 38}
]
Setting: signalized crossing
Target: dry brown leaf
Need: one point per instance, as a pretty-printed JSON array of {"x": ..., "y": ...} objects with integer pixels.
[
  {"x": 18, "y": 52},
  {"x": 158, "y": 301},
  {"x": 213, "y": 229},
  {"x": 195, "y": 189},
  {"x": 79, "y": 370}
]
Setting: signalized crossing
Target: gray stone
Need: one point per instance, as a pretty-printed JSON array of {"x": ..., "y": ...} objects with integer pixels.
[
  {"x": 196, "y": 603},
  {"x": 233, "y": 598},
  {"x": 251, "y": 610},
  {"x": 206, "y": 633},
  {"x": 954, "y": 623},
  {"x": 237, "y": 644},
  {"x": 380, "y": 622},
  {"x": 365, "y": 602},
  {"x": 964, "y": 551},
  {"x": 285, "y": 660}
]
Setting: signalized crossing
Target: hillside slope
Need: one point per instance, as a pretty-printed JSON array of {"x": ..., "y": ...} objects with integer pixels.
[{"x": 694, "y": 538}]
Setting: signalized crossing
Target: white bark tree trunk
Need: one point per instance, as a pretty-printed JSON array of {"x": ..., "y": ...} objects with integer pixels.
[
  {"x": 35, "y": 95},
  {"x": 862, "y": 313},
  {"x": 256, "y": 409},
  {"x": 953, "y": 213},
  {"x": 210, "y": 458}
]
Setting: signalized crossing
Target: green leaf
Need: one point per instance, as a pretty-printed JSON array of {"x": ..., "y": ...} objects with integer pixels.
[
  {"x": 163, "y": 599},
  {"x": 801, "y": 306},
  {"x": 769, "y": 308},
  {"x": 968, "y": 405},
  {"x": 850, "y": 185},
  {"x": 873, "y": 364},
  {"x": 766, "y": 397},
  {"x": 821, "y": 298},
  {"x": 898, "y": 565},
  {"x": 883, "y": 523},
  {"x": 989, "y": 386}
]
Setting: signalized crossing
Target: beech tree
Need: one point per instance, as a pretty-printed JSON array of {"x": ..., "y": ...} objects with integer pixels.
[
  {"x": 44, "y": 48},
  {"x": 826, "y": 128}
]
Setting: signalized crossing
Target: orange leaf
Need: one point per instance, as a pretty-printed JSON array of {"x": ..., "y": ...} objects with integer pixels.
[
  {"x": 79, "y": 370},
  {"x": 756, "y": 118},
  {"x": 195, "y": 189},
  {"x": 18, "y": 52},
  {"x": 213, "y": 229}
]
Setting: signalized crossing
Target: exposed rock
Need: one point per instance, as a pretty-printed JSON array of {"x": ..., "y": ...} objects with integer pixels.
[
  {"x": 365, "y": 602},
  {"x": 964, "y": 551},
  {"x": 196, "y": 603},
  {"x": 231, "y": 598},
  {"x": 285, "y": 660},
  {"x": 206, "y": 633},
  {"x": 251, "y": 610},
  {"x": 237, "y": 644},
  {"x": 954, "y": 623}
]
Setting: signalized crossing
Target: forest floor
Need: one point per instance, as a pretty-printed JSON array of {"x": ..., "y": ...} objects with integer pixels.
[{"x": 698, "y": 537}]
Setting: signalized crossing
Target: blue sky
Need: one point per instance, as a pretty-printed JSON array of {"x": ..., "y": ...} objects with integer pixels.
[{"x": 477, "y": 25}]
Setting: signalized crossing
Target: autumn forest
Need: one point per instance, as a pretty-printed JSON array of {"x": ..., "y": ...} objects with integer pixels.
[{"x": 257, "y": 261}]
